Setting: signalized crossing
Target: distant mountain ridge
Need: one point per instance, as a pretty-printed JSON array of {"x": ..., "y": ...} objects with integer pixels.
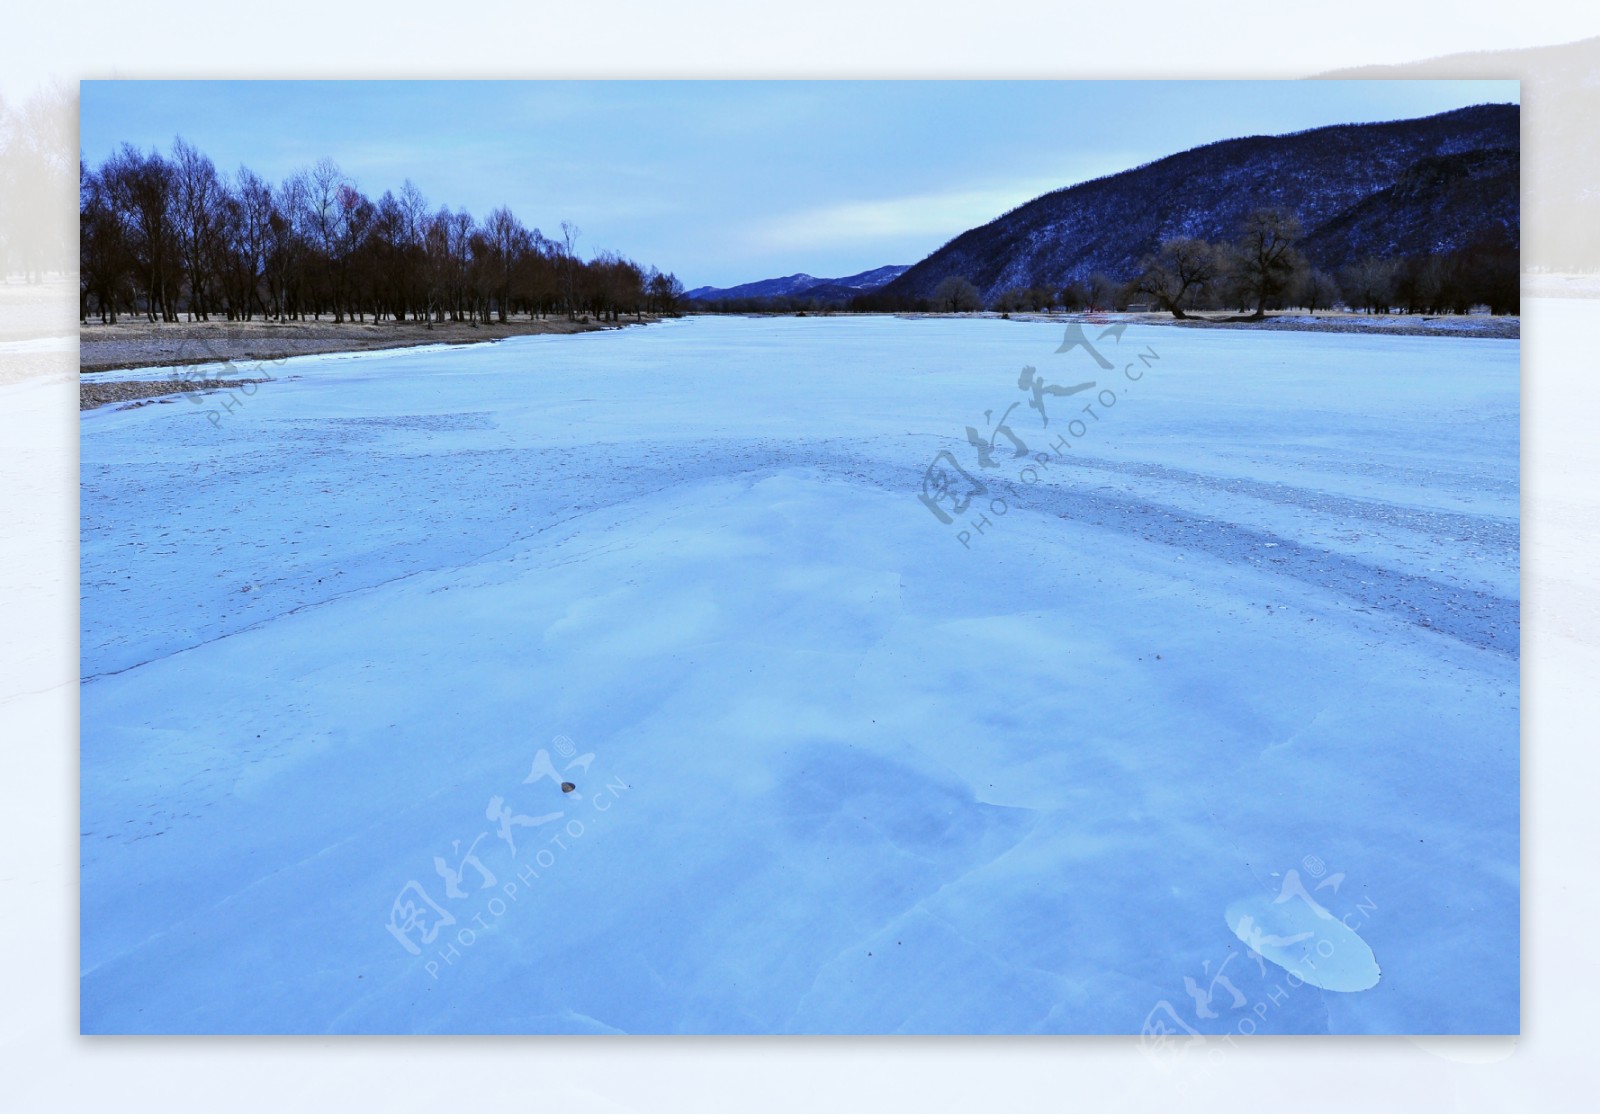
[
  {"x": 1394, "y": 188},
  {"x": 803, "y": 285}
]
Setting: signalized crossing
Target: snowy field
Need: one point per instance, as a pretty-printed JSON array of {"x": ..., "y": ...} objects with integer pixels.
[{"x": 1234, "y": 665}]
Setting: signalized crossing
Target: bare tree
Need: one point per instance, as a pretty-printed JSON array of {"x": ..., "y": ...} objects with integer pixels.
[
  {"x": 249, "y": 239},
  {"x": 142, "y": 189},
  {"x": 542, "y": 275},
  {"x": 412, "y": 250},
  {"x": 353, "y": 284},
  {"x": 324, "y": 185},
  {"x": 955, "y": 295},
  {"x": 1266, "y": 263},
  {"x": 1318, "y": 291},
  {"x": 568, "y": 247},
  {"x": 1011, "y": 299},
  {"x": 460, "y": 228},
  {"x": 288, "y": 248},
  {"x": 506, "y": 240},
  {"x": 103, "y": 259},
  {"x": 1369, "y": 284},
  {"x": 1073, "y": 296},
  {"x": 1104, "y": 292},
  {"x": 197, "y": 200},
  {"x": 1179, "y": 273},
  {"x": 665, "y": 291}
]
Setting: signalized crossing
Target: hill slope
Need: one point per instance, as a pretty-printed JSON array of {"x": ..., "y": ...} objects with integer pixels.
[{"x": 1404, "y": 185}]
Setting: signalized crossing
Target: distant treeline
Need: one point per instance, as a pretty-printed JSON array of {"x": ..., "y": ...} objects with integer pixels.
[
  {"x": 766, "y": 304},
  {"x": 1262, "y": 270},
  {"x": 161, "y": 236}
]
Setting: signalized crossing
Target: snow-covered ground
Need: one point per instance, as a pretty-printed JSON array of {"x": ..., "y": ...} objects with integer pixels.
[{"x": 1237, "y": 667}]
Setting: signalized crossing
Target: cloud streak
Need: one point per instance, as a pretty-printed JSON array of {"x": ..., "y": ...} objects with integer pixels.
[{"x": 932, "y": 216}]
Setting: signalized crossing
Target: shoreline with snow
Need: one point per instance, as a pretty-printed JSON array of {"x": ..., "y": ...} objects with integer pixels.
[
  {"x": 144, "y": 344},
  {"x": 143, "y": 347},
  {"x": 140, "y": 346}
]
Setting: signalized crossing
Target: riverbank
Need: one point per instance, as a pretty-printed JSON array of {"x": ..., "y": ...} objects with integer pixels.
[
  {"x": 140, "y": 392},
  {"x": 136, "y": 343}
]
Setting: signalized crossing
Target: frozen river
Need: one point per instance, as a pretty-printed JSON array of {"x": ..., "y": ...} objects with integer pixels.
[{"x": 1196, "y": 713}]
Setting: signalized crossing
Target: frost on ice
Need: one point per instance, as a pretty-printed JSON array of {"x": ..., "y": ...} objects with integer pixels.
[{"x": 854, "y": 774}]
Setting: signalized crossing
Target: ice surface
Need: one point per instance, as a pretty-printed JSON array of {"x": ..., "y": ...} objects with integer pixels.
[{"x": 834, "y": 770}]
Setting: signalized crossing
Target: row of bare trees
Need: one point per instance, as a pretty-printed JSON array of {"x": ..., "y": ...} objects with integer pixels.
[
  {"x": 1265, "y": 269},
  {"x": 167, "y": 235}
]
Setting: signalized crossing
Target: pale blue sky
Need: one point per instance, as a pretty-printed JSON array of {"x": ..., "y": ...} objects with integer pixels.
[{"x": 727, "y": 182}]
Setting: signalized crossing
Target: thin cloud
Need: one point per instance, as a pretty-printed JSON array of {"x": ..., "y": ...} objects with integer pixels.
[{"x": 938, "y": 215}]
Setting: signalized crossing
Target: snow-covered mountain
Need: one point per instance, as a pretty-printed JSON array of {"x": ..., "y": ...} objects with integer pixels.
[
  {"x": 803, "y": 285},
  {"x": 1403, "y": 187}
]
